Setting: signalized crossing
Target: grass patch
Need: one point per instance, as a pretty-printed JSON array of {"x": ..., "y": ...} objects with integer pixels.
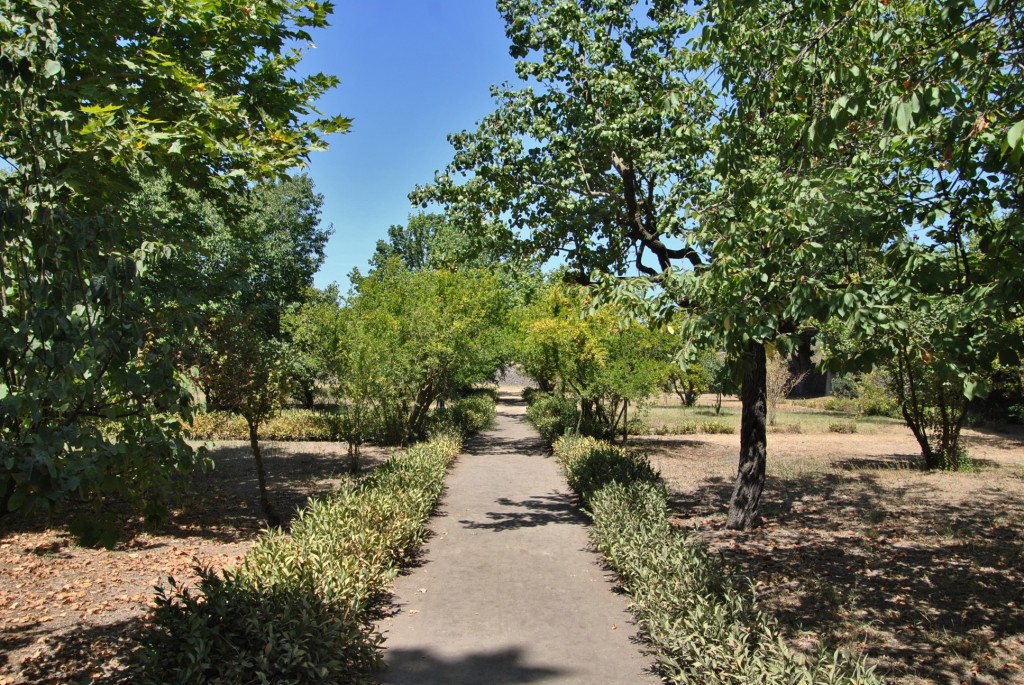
[
  {"x": 796, "y": 416},
  {"x": 703, "y": 624}
]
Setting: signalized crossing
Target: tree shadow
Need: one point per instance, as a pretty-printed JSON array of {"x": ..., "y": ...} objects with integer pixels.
[
  {"x": 848, "y": 554},
  {"x": 424, "y": 667},
  {"x": 542, "y": 510},
  {"x": 101, "y": 654},
  {"x": 492, "y": 445},
  {"x": 221, "y": 504}
]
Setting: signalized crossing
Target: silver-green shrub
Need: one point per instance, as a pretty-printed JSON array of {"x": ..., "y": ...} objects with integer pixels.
[
  {"x": 297, "y": 609},
  {"x": 703, "y": 625}
]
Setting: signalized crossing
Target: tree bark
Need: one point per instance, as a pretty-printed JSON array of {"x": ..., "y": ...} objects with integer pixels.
[
  {"x": 746, "y": 496},
  {"x": 268, "y": 510}
]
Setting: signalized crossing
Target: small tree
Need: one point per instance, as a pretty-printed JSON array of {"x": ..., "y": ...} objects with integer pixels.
[
  {"x": 781, "y": 382},
  {"x": 248, "y": 373}
]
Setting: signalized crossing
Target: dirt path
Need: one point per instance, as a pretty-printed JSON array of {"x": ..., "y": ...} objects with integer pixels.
[{"x": 508, "y": 591}]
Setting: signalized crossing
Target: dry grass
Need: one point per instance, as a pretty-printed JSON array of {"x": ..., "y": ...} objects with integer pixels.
[{"x": 860, "y": 549}]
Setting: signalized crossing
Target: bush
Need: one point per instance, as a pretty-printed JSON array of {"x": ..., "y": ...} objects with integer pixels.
[
  {"x": 553, "y": 415},
  {"x": 466, "y": 415},
  {"x": 298, "y": 607},
  {"x": 842, "y": 405},
  {"x": 845, "y": 387},
  {"x": 842, "y": 427},
  {"x": 704, "y": 626},
  {"x": 716, "y": 427},
  {"x": 288, "y": 424}
]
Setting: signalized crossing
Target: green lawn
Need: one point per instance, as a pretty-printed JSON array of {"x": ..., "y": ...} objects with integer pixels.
[{"x": 663, "y": 414}]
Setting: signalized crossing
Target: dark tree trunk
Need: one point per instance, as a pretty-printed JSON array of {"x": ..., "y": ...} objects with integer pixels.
[
  {"x": 746, "y": 496},
  {"x": 5, "y": 497},
  {"x": 268, "y": 510}
]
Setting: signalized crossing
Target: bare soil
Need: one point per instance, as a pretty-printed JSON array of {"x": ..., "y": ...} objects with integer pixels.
[
  {"x": 70, "y": 614},
  {"x": 862, "y": 550}
]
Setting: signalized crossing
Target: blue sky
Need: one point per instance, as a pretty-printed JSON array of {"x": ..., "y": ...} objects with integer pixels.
[{"x": 411, "y": 72}]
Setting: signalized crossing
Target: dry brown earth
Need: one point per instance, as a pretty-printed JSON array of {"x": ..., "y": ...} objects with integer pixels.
[
  {"x": 860, "y": 549},
  {"x": 69, "y": 614}
]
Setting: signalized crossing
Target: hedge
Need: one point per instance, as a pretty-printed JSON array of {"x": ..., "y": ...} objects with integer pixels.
[
  {"x": 298, "y": 608},
  {"x": 703, "y": 625}
]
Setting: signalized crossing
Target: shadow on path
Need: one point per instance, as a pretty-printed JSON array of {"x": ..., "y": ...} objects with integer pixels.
[
  {"x": 423, "y": 667},
  {"x": 528, "y": 513}
]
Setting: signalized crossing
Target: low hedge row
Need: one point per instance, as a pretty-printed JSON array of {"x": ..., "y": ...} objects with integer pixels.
[
  {"x": 288, "y": 424},
  {"x": 297, "y": 609},
  {"x": 464, "y": 415},
  {"x": 703, "y": 625}
]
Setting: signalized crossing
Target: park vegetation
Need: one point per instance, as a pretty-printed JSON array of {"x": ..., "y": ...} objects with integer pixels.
[
  {"x": 756, "y": 172},
  {"x": 703, "y": 625},
  {"x": 720, "y": 181}
]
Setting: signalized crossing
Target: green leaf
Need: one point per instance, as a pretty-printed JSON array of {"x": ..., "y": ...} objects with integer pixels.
[
  {"x": 1013, "y": 136},
  {"x": 51, "y": 68},
  {"x": 904, "y": 116}
]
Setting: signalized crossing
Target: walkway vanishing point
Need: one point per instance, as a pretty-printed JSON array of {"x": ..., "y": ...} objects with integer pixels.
[{"x": 508, "y": 592}]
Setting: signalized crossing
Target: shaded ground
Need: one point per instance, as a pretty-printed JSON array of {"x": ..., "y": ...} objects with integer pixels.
[
  {"x": 923, "y": 572},
  {"x": 68, "y": 614}
]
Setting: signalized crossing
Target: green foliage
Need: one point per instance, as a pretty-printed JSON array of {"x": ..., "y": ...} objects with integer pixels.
[
  {"x": 589, "y": 355},
  {"x": 96, "y": 100},
  {"x": 466, "y": 415},
  {"x": 716, "y": 427},
  {"x": 288, "y": 424},
  {"x": 843, "y": 162},
  {"x": 845, "y": 388},
  {"x": 703, "y": 624},
  {"x": 405, "y": 340},
  {"x": 842, "y": 427},
  {"x": 298, "y": 609},
  {"x": 693, "y": 377},
  {"x": 553, "y": 415}
]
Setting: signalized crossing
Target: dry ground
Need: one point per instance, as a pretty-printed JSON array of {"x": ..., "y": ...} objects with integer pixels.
[
  {"x": 922, "y": 572},
  {"x": 68, "y": 614}
]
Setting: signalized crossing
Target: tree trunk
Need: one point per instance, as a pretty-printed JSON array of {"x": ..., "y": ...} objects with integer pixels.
[
  {"x": 5, "y": 497},
  {"x": 268, "y": 510},
  {"x": 746, "y": 496}
]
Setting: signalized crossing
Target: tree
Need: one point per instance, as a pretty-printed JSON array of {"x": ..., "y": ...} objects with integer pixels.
[
  {"x": 248, "y": 373},
  {"x": 307, "y": 328},
  {"x": 259, "y": 258},
  {"x": 593, "y": 355},
  {"x": 763, "y": 179},
  {"x": 911, "y": 114},
  {"x": 96, "y": 98},
  {"x": 404, "y": 340}
]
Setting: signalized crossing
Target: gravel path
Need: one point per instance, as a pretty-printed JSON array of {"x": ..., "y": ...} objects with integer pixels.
[{"x": 508, "y": 591}]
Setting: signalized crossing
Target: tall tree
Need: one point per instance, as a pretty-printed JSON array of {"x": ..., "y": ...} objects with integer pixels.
[
  {"x": 748, "y": 181},
  {"x": 95, "y": 98}
]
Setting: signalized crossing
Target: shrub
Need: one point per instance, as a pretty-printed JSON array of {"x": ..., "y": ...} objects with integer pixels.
[
  {"x": 716, "y": 427},
  {"x": 842, "y": 427},
  {"x": 298, "y": 607},
  {"x": 686, "y": 428},
  {"x": 638, "y": 426},
  {"x": 845, "y": 387},
  {"x": 843, "y": 405},
  {"x": 553, "y": 415},
  {"x": 466, "y": 415},
  {"x": 288, "y": 424},
  {"x": 704, "y": 625}
]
